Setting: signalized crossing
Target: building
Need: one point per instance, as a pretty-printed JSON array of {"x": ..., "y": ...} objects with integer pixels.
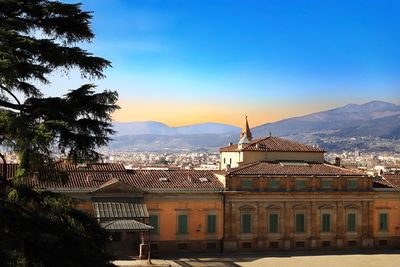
[
  {"x": 286, "y": 197},
  {"x": 170, "y": 210},
  {"x": 272, "y": 194}
]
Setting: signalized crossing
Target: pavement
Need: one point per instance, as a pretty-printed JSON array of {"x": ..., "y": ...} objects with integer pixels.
[{"x": 291, "y": 259}]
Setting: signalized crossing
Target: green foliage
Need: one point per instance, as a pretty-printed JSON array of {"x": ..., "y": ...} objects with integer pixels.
[
  {"x": 42, "y": 229},
  {"x": 38, "y": 37}
]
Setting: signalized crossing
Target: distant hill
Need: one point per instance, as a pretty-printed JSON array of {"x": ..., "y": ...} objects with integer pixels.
[
  {"x": 158, "y": 128},
  {"x": 376, "y": 119}
]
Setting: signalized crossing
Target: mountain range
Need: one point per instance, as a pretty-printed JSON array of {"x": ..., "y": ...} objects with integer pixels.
[{"x": 376, "y": 119}]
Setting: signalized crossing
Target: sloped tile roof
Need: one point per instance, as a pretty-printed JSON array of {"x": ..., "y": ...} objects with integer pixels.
[
  {"x": 380, "y": 182},
  {"x": 273, "y": 144},
  {"x": 142, "y": 179},
  {"x": 393, "y": 179},
  {"x": 91, "y": 167},
  {"x": 125, "y": 225},
  {"x": 191, "y": 179},
  {"x": 277, "y": 168},
  {"x": 121, "y": 208}
]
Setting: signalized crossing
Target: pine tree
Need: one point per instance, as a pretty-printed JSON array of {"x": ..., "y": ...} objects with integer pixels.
[{"x": 38, "y": 37}]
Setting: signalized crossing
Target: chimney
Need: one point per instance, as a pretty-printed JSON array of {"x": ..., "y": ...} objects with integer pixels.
[
  {"x": 230, "y": 143},
  {"x": 337, "y": 161}
]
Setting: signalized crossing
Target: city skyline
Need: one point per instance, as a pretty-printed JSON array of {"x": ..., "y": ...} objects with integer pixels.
[{"x": 182, "y": 62}]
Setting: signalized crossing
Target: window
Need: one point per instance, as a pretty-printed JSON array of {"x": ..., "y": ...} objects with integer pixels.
[
  {"x": 351, "y": 222},
  {"x": 154, "y": 222},
  {"x": 326, "y": 223},
  {"x": 300, "y": 184},
  {"x": 273, "y": 223},
  {"x": 300, "y": 225},
  {"x": 247, "y": 184},
  {"x": 383, "y": 222},
  {"x": 326, "y": 184},
  {"x": 211, "y": 223},
  {"x": 224, "y": 160},
  {"x": 351, "y": 184},
  {"x": 182, "y": 224},
  {"x": 230, "y": 162},
  {"x": 246, "y": 223},
  {"x": 300, "y": 244},
  {"x": 274, "y": 184}
]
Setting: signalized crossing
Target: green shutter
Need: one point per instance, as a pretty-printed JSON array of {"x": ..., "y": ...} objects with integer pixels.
[
  {"x": 300, "y": 223},
  {"x": 383, "y": 222},
  {"x": 246, "y": 223},
  {"x": 273, "y": 223},
  {"x": 182, "y": 224},
  {"x": 154, "y": 222},
  {"x": 351, "y": 184},
  {"x": 326, "y": 222},
  {"x": 326, "y": 183},
  {"x": 300, "y": 184},
  {"x": 211, "y": 223},
  {"x": 351, "y": 222},
  {"x": 273, "y": 183},
  {"x": 247, "y": 184}
]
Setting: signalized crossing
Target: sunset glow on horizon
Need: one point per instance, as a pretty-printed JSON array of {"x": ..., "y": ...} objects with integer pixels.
[{"x": 182, "y": 62}]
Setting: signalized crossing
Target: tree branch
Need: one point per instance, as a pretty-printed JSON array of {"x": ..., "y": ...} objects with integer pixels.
[
  {"x": 11, "y": 105},
  {"x": 8, "y": 91}
]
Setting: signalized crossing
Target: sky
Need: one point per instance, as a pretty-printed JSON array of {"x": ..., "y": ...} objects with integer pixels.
[{"x": 182, "y": 62}]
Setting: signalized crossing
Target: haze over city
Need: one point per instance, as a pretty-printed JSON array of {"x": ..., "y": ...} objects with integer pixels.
[{"x": 181, "y": 63}]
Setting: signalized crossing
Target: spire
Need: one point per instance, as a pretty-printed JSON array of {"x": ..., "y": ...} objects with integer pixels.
[{"x": 246, "y": 132}]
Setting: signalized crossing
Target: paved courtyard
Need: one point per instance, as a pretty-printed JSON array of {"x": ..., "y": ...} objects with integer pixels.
[{"x": 378, "y": 259}]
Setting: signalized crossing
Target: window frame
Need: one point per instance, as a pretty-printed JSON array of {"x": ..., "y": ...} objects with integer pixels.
[
  {"x": 242, "y": 226},
  {"x": 272, "y": 186},
  {"x": 380, "y": 222},
  {"x": 178, "y": 225},
  {"x": 303, "y": 187},
  {"x": 244, "y": 185},
  {"x": 270, "y": 214},
  {"x": 296, "y": 221},
  {"x": 324, "y": 187},
  {"x": 323, "y": 229},
  {"x": 348, "y": 224},
  {"x": 349, "y": 184},
  {"x": 156, "y": 229},
  {"x": 208, "y": 225}
]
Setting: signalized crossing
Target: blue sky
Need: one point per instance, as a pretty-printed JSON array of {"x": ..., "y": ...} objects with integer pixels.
[{"x": 187, "y": 61}]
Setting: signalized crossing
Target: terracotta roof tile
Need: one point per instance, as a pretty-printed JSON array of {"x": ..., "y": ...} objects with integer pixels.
[
  {"x": 293, "y": 169},
  {"x": 393, "y": 179},
  {"x": 274, "y": 144},
  {"x": 92, "y": 167},
  {"x": 142, "y": 179}
]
